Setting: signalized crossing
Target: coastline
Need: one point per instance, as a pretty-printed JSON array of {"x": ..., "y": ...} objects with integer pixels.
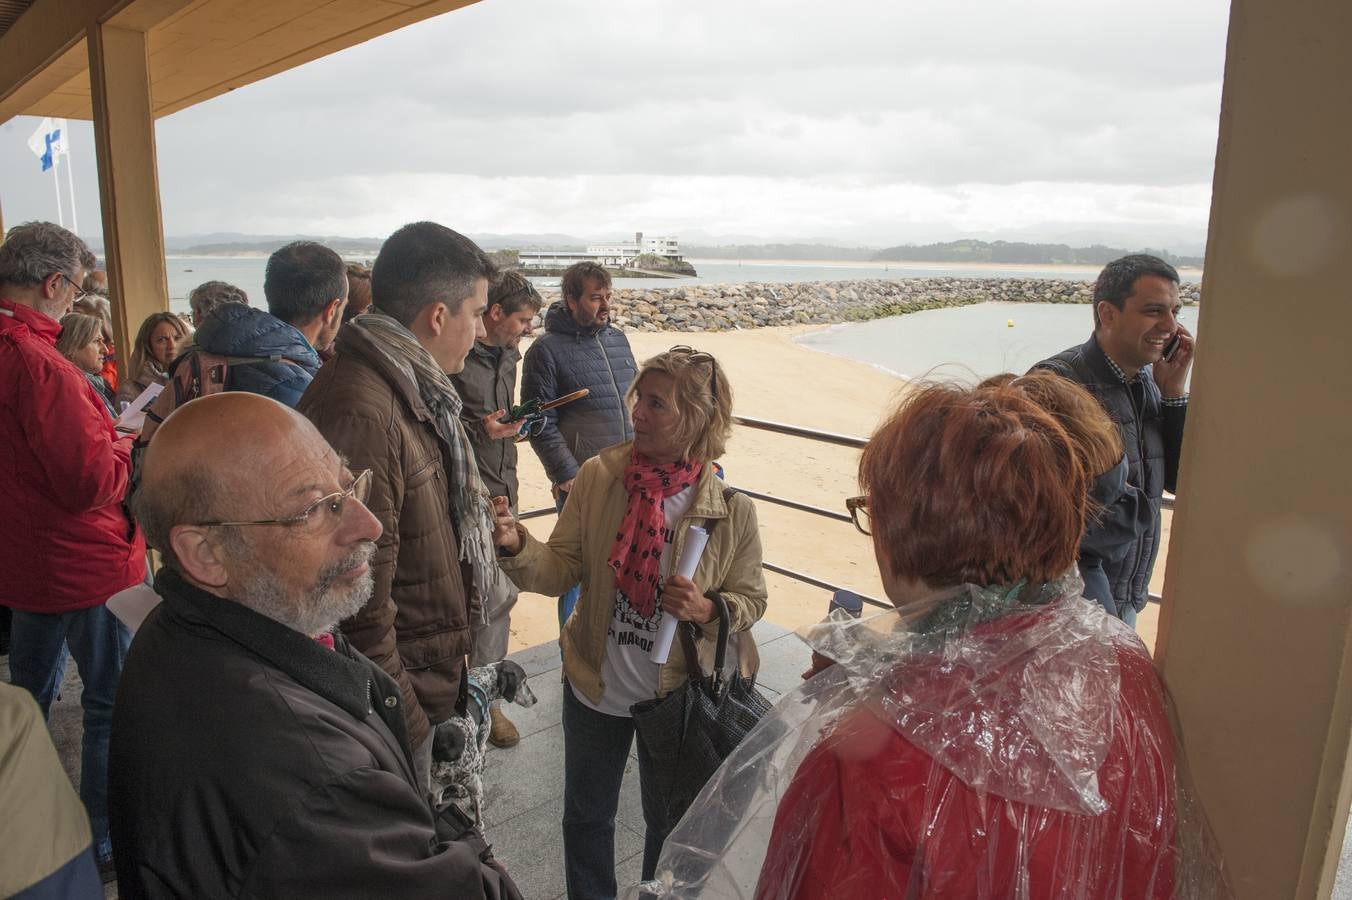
[{"x": 749, "y": 305}]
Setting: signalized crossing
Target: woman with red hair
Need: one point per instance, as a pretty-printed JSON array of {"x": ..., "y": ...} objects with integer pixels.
[{"x": 995, "y": 736}]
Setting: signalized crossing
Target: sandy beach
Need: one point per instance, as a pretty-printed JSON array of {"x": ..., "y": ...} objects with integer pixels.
[{"x": 777, "y": 379}]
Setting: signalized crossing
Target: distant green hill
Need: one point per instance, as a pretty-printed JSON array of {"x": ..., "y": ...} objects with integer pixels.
[{"x": 969, "y": 251}]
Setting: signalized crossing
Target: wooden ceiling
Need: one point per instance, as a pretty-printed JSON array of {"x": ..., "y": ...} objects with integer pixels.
[
  {"x": 199, "y": 49},
  {"x": 10, "y": 10}
]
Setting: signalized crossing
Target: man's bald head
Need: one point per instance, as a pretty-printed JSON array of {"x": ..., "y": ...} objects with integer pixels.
[{"x": 216, "y": 458}]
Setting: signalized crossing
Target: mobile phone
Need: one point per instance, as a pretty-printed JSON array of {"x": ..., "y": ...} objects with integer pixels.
[
  {"x": 1172, "y": 347},
  {"x": 521, "y": 411}
]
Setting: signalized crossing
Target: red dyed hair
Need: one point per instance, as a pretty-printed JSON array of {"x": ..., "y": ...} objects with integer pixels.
[{"x": 974, "y": 485}]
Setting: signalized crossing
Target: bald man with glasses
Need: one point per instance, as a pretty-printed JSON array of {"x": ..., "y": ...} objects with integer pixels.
[{"x": 254, "y": 751}]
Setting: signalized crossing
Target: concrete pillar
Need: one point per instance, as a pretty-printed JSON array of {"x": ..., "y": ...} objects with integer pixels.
[
  {"x": 124, "y": 138},
  {"x": 1256, "y": 631}
]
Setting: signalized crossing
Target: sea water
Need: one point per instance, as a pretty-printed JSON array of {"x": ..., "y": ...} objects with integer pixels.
[
  {"x": 966, "y": 343},
  {"x": 186, "y": 272}
]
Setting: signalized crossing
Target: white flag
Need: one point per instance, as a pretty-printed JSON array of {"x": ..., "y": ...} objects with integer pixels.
[{"x": 48, "y": 141}]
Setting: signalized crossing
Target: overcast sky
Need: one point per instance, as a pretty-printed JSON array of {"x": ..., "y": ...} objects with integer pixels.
[{"x": 862, "y": 121}]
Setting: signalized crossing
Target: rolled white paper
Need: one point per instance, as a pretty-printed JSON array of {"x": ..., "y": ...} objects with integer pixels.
[{"x": 695, "y": 539}]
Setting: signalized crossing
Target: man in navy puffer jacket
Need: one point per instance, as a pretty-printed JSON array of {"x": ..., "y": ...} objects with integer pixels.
[
  {"x": 306, "y": 289},
  {"x": 579, "y": 349}
]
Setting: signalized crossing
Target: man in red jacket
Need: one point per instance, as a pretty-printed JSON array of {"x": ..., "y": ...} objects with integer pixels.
[{"x": 67, "y": 543}]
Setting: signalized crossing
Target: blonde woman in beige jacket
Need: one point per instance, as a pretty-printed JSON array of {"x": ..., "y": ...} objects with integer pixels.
[{"x": 620, "y": 533}]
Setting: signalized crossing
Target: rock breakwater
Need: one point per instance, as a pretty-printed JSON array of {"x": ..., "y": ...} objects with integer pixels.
[{"x": 723, "y": 307}]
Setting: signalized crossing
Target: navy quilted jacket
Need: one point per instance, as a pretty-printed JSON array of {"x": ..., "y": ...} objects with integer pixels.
[
  {"x": 238, "y": 330},
  {"x": 567, "y": 358},
  {"x": 1152, "y": 439}
]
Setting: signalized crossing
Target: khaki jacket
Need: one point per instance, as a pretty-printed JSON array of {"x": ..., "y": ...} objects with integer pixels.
[
  {"x": 44, "y": 826},
  {"x": 581, "y": 543},
  {"x": 416, "y": 625},
  {"x": 487, "y": 384}
]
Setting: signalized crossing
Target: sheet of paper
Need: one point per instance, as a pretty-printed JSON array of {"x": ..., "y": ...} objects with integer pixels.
[
  {"x": 695, "y": 539},
  {"x": 134, "y": 416},
  {"x": 133, "y": 605}
]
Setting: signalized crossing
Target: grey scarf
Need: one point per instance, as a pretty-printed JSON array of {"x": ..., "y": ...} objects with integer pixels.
[{"x": 471, "y": 507}]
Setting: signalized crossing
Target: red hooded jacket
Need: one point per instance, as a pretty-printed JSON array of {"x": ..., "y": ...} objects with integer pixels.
[
  {"x": 869, "y": 814},
  {"x": 67, "y": 542}
]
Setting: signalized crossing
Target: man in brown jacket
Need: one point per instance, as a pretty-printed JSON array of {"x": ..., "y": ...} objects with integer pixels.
[{"x": 386, "y": 403}]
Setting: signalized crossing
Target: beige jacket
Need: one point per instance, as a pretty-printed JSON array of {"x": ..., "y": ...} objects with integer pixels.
[
  {"x": 580, "y": 545},
  {"x": 44, "y": 825}
]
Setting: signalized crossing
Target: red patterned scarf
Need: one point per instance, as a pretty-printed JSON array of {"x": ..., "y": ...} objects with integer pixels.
[{"x": 637, "y": 554}]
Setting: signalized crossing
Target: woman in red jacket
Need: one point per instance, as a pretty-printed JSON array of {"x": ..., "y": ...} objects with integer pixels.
[{"x": 996, "y": 736}]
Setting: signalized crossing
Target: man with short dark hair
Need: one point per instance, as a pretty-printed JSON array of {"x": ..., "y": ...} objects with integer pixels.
[
  {"x": 1144, "y": 390},
  {"x": 306, "y": 289},
  {"x": 254, "y": 752},
  {"x": 487, "y": 385},
  {"x": 579, "y": 349},
  {"x": 66, "y": 545},
  {"x": 306, "y": 286},
  {"x": 386, "y": 402}
]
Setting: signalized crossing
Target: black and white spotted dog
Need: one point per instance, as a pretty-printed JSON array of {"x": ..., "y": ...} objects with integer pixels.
[{"x": 459, "y": 744}]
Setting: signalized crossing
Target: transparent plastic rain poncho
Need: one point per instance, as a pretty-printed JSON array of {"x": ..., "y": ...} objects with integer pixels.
[{"x": 988, "y": 744}]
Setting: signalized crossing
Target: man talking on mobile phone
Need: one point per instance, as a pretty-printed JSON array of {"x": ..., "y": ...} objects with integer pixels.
[{"x": 1136, "y": 364}]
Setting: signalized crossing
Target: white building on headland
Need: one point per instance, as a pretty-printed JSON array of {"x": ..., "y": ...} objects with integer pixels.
[{"x": 621, "y": 254}]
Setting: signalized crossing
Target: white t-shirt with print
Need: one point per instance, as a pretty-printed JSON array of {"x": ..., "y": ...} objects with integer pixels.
[{"x": 628, "y": 672}]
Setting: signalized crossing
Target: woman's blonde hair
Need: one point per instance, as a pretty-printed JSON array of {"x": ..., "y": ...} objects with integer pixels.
[
  {"x": 78, "y": 330},
  {"x": 703, "y": 400},
  {"x": 1096, "y": 439}
]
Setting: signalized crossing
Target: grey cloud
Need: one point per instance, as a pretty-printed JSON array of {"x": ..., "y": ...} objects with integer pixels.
[{"x": 595, "y": 103}]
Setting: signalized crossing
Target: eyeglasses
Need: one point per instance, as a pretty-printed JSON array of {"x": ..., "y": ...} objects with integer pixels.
[
  {"x": 80, "y": 293},
  {"x": 699, "y": 356},
  {"x": 319, "y": 517},
  {"x": 858, "y": 509}
]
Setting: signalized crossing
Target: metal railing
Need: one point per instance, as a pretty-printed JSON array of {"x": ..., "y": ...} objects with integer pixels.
[{"x": 825, "y": 437}]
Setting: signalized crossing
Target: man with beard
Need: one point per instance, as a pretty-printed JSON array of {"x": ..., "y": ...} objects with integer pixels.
[
  {"x": 66, "y": 545},
  {"x": 579, "y": 349},
  {"x": 254, "y": 751}
]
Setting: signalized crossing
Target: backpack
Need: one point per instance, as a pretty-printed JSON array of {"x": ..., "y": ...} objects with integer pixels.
[{"x": 197, "y": 373}]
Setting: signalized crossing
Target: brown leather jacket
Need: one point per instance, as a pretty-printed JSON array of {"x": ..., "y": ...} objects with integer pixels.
[{"x": 416, "y": 626}]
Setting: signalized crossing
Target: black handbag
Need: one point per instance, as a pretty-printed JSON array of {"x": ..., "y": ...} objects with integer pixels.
[{"x": 684, "y": 737}]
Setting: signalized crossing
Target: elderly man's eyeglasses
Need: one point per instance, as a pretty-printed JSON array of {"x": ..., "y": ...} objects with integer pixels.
[
  {"x": 858, "y": 509},
  {"x": 80, "y": 293},
  {"x": 322, "y": 516},
  {"x": 699, "y": 356}
]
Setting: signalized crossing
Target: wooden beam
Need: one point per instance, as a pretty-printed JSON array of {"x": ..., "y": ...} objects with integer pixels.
[
  {"x": 124, "y": 138},
  {"x": 44, "y": 34},
  {"x": 396, "y": 17},
  {"x": 45, "y": 49},
  {"x": 43, "y": 68},
  {"x": 1255, "y": 637}
]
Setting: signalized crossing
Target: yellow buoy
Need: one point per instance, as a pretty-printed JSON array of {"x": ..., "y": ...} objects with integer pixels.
[{"x": 1010, "y": 323}]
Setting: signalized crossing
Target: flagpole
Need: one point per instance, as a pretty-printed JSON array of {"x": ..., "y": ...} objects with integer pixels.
[
  {"x": 70, "y": 183},
  {"x": 56, "y": 183}
]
